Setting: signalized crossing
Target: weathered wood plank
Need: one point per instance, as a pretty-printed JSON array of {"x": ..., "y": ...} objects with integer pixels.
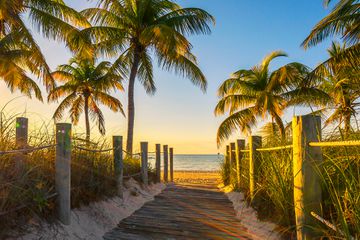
[{"x": 183, "y": 212}]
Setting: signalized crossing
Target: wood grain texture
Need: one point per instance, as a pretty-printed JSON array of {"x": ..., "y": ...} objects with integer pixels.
[{"x": 190, "y": 211}]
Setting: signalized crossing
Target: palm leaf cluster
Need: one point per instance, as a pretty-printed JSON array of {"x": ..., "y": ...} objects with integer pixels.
[
  {"x": 333, "y": 86},
  {"x": 137, "y": 31},
  {"x": 253, "y": 94},
  {"x": 54, "y": 20},
  {"x": 86, "y": 85}
]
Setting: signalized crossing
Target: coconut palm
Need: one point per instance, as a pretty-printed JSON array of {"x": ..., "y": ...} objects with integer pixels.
[
  {"x": 257, "y": 93},
  {"x": 343, "y": 21},
  {"x": 52, "y": 18},
  {"x": 144, "y": 29},
  {"x": 341, "y": 82},
  {"x": 86, "y": 85},
  {"x": 13, "y": 61}
]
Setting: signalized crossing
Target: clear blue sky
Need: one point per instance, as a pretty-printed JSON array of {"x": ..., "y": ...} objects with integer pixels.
[{"x": 180, "y": 114}]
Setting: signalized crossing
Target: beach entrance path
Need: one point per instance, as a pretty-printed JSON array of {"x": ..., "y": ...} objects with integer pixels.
[{"x": 183, "y": 211}]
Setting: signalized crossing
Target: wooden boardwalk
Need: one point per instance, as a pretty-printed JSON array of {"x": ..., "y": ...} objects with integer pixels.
[{"x": 183, "y": 212}]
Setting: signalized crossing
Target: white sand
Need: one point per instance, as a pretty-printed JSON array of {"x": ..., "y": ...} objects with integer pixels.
[
  {"x": 248, "y": 217},
  {"x": 93, "y": 221}
]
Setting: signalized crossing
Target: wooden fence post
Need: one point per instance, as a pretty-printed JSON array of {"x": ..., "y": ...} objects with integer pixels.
[
  {"x": 240, "y": 145},
  {"x": 158, "y": 162},
  {"x": 63, "y": 171},
  {"x": 21, "y": 141},
  {"x": 21, "y": 132},
  {"x": 166, "y": 161},
  {"x": 227, "y": 166},
  {"x": 232, "y": 159},
  {"x": 144, "y": 163},
  {"x": 254, "y": 143},
  {"x": 118, "y": 163},
  {"x": 171, "y": 164},
  {"x": 307, "y": 186}
]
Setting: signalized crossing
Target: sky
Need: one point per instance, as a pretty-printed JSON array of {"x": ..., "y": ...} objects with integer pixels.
[{"x": 180, "y": 114}]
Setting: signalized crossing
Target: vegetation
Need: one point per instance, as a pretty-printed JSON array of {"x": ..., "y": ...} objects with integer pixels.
[
  {"x": 25, "y": 190},
  {"x": 251, "y": 94},
  {"x": 341, "y": 82},
  {"x": 334, "y": 88},
  {"x": 142, "y": 28},
  {"x": 19, "y": 51},
  {"x": 85, "y": 86}
]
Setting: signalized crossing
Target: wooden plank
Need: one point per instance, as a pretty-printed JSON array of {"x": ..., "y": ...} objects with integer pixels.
[{"x": 182, "y": 212}]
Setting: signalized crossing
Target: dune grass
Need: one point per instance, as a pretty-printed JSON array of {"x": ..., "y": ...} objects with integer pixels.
[
  {"x": 27, "y": 181},
  {"x": 340, "y": 178}
]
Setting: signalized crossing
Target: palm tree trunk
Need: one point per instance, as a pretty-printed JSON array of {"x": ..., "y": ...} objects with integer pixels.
[
  {"x": 280, "y": 124},
  {"x": 347, "y": 123},
  {"x": 87, "y": 122},
  {"x": 131, "y": 105}
]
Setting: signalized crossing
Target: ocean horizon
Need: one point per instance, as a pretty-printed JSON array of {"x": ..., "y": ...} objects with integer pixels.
[{"x": 192, "y": 162}]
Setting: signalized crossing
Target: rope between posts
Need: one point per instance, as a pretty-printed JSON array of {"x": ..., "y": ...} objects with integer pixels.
[
  {"x": 27, "y": 150},
  {"x": 133, "y": 175},
  {"x": 132, "y": 154},
  {"x": 335, "y": 144},
  {"x": 94, "y": 150},
  {"x": 274, "y": 148}
]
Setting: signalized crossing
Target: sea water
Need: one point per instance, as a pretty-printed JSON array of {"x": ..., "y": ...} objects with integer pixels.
[{"x": 192, "y": 162}]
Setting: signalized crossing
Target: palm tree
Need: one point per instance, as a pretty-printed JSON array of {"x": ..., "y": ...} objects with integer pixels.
[
  {"x": 144, "y": 29},
  {"x": 341, "y": 81},
  {"x": 255, "y": 93},
  {"x": 13, "y": 61},
  {"x": 52, "y": 18},
  {"x": 343, "y": 21},
  {"x": 85, "y": 86}
]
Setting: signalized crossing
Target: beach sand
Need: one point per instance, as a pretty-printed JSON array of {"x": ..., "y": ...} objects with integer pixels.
[{"x": 197, "y": 177}]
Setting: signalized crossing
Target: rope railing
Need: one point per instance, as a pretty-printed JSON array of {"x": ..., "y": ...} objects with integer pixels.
[
  {"x": 244, "y": 151},
  {"x": 132, "y": 154},
  {"x": 132, "y": 175},
  {"x": 274, "y": 148},
  {"x": 94, "y": 150},
  {"x": 335, "y": 144},
  {"x": 27, "y": 150}
]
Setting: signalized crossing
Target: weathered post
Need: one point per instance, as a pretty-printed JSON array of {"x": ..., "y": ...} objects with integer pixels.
[
  {"x": 254, "y": 143},
  {"x": 158, "y": 162},
  {"x": 21, "y": 141},
  {"x": 240, "y": 145},
  {"x": 171, "y": 164},
  {"x": 21, "y": 132},
  {"x": 166, "y": 160},
  {"x": 226, "y": 166},
  {"x": 232, "y": 160},
  {"x": 118, "y": 163},
  {"x": 307, "y": 187},
  {"x": 63, "y": 171},
  {"x": 144, "y": 163}
]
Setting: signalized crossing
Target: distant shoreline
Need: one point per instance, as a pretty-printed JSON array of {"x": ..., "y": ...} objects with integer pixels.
[{"x": 196, "y": 171}]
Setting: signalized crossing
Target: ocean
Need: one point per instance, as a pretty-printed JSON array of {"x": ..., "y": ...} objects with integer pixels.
[{"x": 193, "y": 162}]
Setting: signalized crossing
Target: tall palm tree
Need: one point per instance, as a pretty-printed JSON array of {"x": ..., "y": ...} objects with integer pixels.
[
  {"x": 341, "y": 81},
  {"x": 342, "y": 21},
  {"x": 144, "y": 29},
  {"x": 85, "y": 86},
  {"x": 52, "y": 18},
  {"x": 256, "y": 93}
]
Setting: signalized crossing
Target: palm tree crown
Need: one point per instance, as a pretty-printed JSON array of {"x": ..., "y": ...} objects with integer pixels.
[
  {"x": 85, "y": 86},
  {"x": 258, "y": 92},
  {"x": 144, "y": 29},
  {"x": 53, "y": 19},
  {"x": 340, "y": 80}
]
